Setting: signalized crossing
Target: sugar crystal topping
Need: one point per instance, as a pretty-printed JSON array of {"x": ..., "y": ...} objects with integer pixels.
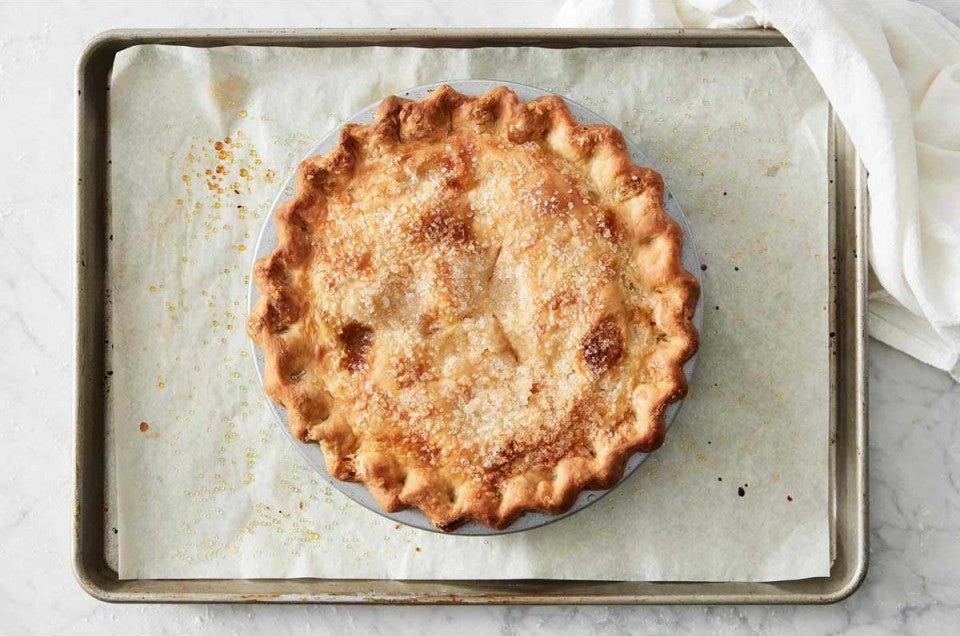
[
  {"x": 471, "y": 294},
  {"x": 513, "y": 267}
]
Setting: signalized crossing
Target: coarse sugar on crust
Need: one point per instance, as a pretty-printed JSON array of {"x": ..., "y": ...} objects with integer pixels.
[{"x": 476, "y": 306}]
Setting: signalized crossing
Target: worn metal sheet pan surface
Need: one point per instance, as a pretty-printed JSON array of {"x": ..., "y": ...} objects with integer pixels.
[{"x": 848, "y": 382}]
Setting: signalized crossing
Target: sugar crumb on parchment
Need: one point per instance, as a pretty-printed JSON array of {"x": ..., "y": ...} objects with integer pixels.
[{"x": 223, "y": 191}]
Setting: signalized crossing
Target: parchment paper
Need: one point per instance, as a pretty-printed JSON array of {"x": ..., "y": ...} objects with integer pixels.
[{"x": 208, "y": 487}]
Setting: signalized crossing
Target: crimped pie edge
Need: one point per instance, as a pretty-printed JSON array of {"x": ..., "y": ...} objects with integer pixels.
[{"x": 394, "y": 484}]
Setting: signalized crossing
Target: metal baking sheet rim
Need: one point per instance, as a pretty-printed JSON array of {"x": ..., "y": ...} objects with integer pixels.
[{"x": 848, "y": 208}]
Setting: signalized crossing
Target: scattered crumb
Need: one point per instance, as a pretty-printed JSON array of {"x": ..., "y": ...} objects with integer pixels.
[{"x": 144, "y": 427}]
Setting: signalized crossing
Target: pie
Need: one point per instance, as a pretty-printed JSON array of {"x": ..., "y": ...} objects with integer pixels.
[{"x": 476, "y": 307}]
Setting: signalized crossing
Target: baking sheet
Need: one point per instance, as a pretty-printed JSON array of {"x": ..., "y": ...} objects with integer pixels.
[{"x": 208, "y": 488}]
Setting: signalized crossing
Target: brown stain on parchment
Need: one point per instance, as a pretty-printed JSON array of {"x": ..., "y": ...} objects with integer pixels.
[{"x": 229, "y": 92}]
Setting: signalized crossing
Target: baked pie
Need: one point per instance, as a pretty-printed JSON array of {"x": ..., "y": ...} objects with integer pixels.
[{"x": 476, "y": 307}]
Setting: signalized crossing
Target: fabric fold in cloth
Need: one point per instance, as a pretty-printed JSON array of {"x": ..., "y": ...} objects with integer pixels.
[{"x": 891, "y": 69}]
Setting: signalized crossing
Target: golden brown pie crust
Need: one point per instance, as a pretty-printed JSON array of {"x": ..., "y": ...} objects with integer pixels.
[{"x": 476, "y": 307}]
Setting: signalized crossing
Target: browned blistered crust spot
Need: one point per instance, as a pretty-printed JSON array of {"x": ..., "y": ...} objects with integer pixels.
[
  {"x": 356, "y": 340},
  {"x": 476, "y": 306},
  {"x": 426, "y": 324},
  {"x": 608, "y": 227},
  {"x": 563, "y": 298},
  {"x": 445, "y": 226},
  {"x": 602, "y": 346}
]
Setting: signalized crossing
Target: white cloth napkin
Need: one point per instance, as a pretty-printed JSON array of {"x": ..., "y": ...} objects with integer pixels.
[{"x": 891, "y": 68}]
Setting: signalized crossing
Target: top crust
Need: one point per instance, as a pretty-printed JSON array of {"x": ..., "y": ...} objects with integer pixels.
[{"x": 476, "y": 306}]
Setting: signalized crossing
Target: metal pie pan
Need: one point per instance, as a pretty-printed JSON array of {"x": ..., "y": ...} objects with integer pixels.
[{"x": 357, "y": 492}]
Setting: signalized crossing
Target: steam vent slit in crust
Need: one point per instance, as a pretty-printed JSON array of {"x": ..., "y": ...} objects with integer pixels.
[{"x": 476, "y": 307}]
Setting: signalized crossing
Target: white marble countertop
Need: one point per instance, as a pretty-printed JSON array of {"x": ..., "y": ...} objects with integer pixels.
[{"x": 914, "y": 581}]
